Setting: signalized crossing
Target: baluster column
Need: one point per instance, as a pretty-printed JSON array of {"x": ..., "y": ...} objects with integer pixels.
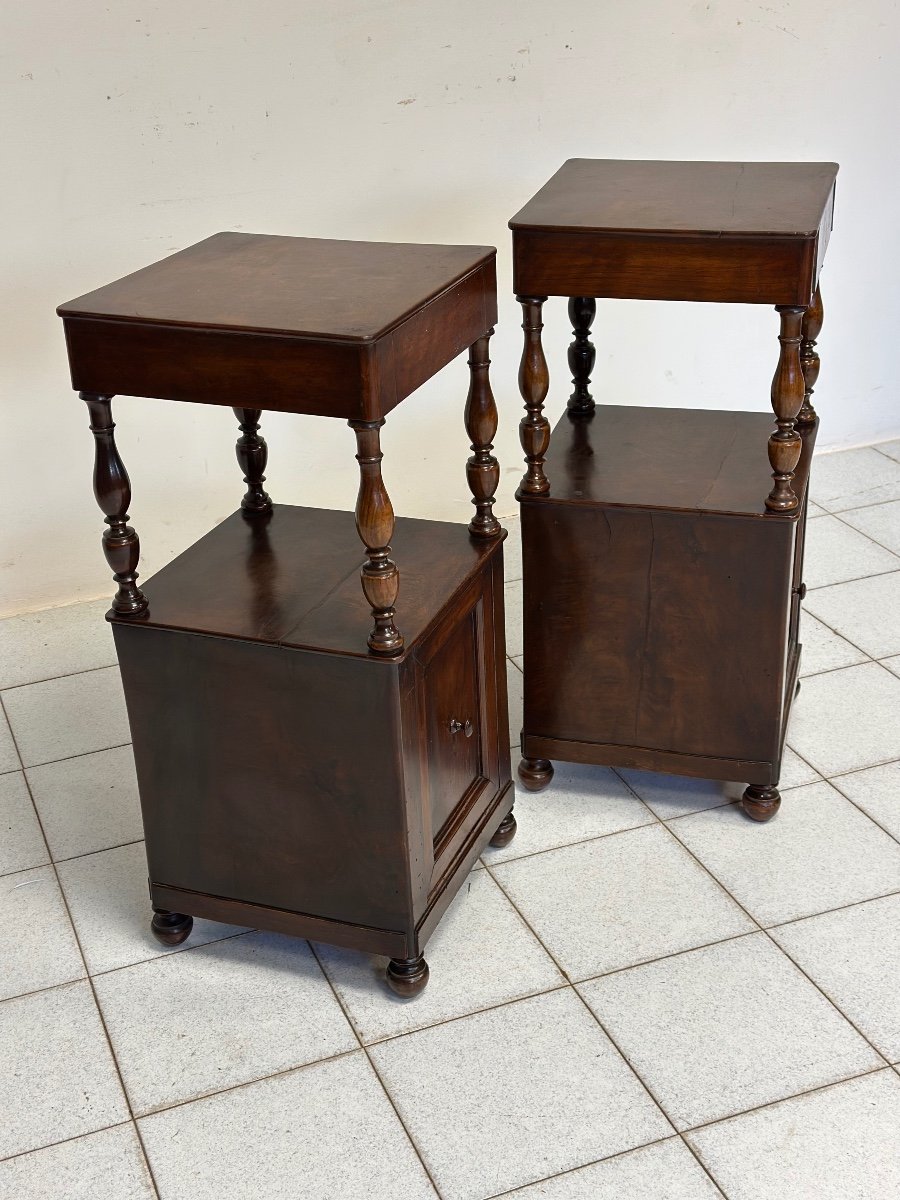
[
  {"x": 482, "y": 469},
  {"x": 534, "y": 383},
  {"x": 375, "y": 525},
  {"x": 787, "y": 398},
  {"x": 252, "y": 455},
  {"x": 582, "y": 353},
  {"x": 811, "y": 327}
]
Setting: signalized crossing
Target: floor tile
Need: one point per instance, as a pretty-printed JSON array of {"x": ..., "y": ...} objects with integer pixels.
[
  {"x": 841, "y": 1143},
  {"x": 73, "y": 715},
  {"x": 817, "y": 854},
  {"x": 514, "y": 683},
  {"x": 795, "y": 772},
  {"x": 326, "y": 1132},
  {"x": 881, "y": 523},
  {"x": 664, "y": 1171},
  {"x": 37, "y": 942},
  {"x": 510, "y": 1096},
  {"x": 21, "y": 841},
  {"x": 481, "y": 954},
  {"x": 513, "y": 602},
  {"x": 844, "y": 720},
  {"x": 229, "y": 1013},
  {"x": 55, "y": 641},
  {"x": 719, "y": 1030},
  {"x": 581, "y": 802},
  {"x": 877, "y": 792},
  {"x": 610, "y": 903},
  {"x": 108, "y": 900},
  {"x": 823, "y": 649},
  {"x": 9, "y": 757},
  {"x": 854, "y": 957},
  {"x": 854, "y": 479},
  {"x": 59, "y": 1079},
  {"x": 834, "y": 553},
  {"x": 891, "y": 449},
  {"x": 88, "y": 803},
  {"x": 108, "y": 1165},
  {"x": 674, "y": 795},
  {"x": 866, "y": 612},
  {"x": 512, "y": 548}
]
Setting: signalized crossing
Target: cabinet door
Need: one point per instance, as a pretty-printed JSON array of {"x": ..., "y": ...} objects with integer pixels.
[{"x": 453, "y": 721}]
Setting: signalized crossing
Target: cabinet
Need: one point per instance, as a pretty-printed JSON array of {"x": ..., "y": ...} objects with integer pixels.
[
  {"x": 321, "y": 746},
  {"x": 663, "y": 548}
]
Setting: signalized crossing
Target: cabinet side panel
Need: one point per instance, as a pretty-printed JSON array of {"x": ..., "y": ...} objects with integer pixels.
[
  {"x": 658, "y": 630},
  {"x": 268, "y": 775}
]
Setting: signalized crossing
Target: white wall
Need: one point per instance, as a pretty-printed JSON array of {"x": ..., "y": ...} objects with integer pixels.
[{"x": 134, "y": 129}]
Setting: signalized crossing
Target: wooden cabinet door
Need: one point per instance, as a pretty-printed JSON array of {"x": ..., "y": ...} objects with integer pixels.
[{"x": 453, "y": 721}]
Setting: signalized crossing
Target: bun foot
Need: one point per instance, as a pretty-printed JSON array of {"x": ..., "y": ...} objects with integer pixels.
[
  {"x": 535, "y": 773},
  {"x": 761, "y": 803},
  {"x": 407, "y": 976},
  {"x": 170, "y": 928},
  {"x": 506, "y": 831}
]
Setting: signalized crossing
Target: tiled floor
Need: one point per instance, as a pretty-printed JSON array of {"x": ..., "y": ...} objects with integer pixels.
[{"x": 645, "y": 995}]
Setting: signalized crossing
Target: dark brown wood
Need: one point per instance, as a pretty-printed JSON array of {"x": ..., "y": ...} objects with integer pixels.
[
  {"x": 725, "y": 232},
  {"x": 170, "y": 928},
  {"x": 346, "y": 785},
  {"x": 655, "y": 617},
  {"x": 582, "y": 354},
  {"x": 407, "y": 976},
  {"x": 535, "y": 773},
  {"x": 534, "y": 383},
  {"x": 112, "y": 488},
  {"x": 506, "y": 831},
  {"x": 331, "y": 328},
  {"x": 327, "y": 751},
  {"x": 761, "y": 803},
  {"x": 809, "y": 359},
  {"x": 787, "y": 397},
  {"x": 375, "y": 526},
  {"x": 482, "y": 469},
  {"x": 252, "y": 455}
]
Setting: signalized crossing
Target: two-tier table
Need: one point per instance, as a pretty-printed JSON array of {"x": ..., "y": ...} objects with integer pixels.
[
  {"x": 312, "y": 758},
  {"x": 663, "y": 548}
]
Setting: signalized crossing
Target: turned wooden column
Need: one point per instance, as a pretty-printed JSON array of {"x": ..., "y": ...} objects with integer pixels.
[
  {"x": 534, "y": 382},
  {"x": 112, "y": 489},
  {"x": 375, "y": 525},
  {"x": 787, "y": 398},
  {"x": 582, "y": 353},
  {"x": 810, "y": 329},
  {"x": 252, "y": 454},
  {"x": 482, "y": 469}
]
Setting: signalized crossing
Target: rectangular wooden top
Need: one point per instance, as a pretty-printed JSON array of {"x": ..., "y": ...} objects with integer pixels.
[
  {"x": 295, "y": 286},
  {"x": 328, "y": 328},
  {"x": 292, "y": 579},
  {"x": 724, "y": 199},
  {"x": 686, "y": 460}
]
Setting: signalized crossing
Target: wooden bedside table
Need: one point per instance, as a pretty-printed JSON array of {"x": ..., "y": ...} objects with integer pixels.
[
  {"x": 311, "y": 759},
  {"x": 663, "y": 548}
]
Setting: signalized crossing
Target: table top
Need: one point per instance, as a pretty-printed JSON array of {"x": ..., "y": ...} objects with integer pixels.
[
  {"x": 291, "y": 578},
  {"x": 305, "y": 287},
  {"x": 685, "y": 460},
  {"x": 726, "y": 199}
]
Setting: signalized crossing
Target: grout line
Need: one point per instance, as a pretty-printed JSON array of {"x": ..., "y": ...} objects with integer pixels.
[
  {"x": 599, "y": 837},
  {"x": 820, "y": 587},
  {"x": 877, "y": 446},
  {"x": 828, "y": 911},
  {"x": 14, "y": 687},
  {"x": 820, "y": 1087},
  {"x": 842, "y": 518},
  {"x": 67, "y": 757},
  {"x": 63, "y": 1141},
  {"x": 348, "y": 1018},
  {"x": 89, "y": 981}
]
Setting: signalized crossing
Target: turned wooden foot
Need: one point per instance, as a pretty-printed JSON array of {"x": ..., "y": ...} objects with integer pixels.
[
  {"x": 170, "y": 928},
  {"x": 761, "y": 803},
  {"x": 407, "y": 976},
  {"x": 506, "y": 831},
  {"x": 535, "y": 773}
]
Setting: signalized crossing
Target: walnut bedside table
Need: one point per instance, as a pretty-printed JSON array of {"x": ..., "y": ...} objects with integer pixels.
[
  {"x": 311, "y": 759},
  {"x": 662, "y": 548}
]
